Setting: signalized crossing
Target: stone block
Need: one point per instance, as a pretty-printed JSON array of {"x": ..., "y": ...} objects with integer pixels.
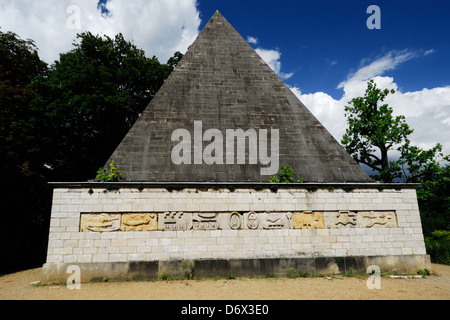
[
  {"x": 63, "y": 251},
  {"x": 54, "y": 258},
  {"x": 84, "y": 258},
  {"x": 126, "y": 250},
  {"x": 70, "y": 258},
  {"x": 69, "y": 222},
  {"x": 55, "y": 222},
  {"x": 109, "y": 249},
  {"x": 102, "y": 243},
  {"x": 108, "y": 235},
  {"x": 100, "y": 258},
  {"x": 85, "y": 243}
]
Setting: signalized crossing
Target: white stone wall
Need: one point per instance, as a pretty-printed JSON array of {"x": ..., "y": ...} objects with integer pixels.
[{"x": 68, "y": 245}]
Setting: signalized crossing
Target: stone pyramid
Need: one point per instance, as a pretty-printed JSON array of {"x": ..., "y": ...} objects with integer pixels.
[{"x": 223, "y": 115}]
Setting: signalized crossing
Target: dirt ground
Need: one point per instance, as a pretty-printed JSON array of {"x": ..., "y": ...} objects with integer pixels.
[{"x": 19, "y": 286}]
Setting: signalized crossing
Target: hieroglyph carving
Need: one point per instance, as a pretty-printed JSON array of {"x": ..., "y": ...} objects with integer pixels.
[
  {"x": 174, "y": 221},
  {"x": 308, "y": 220},
  {"x": 235, "y": 221},
  {"x": 372, "y": 219},
  {"x": 180, "y": 221},
  {"x": 277, "y": 220},
  {"x": 252, "y": 221},
  {"x": 205, "y": 221},
  {"x": 341, "y": 219},
  {"x": 100, "y": 222},
  {"x": 139, "y": 222}
]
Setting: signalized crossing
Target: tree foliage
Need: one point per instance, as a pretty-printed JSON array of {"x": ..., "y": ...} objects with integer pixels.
[
  {"x": 19, "y": 64},
  {"x": 23, "y": 224},
  {"x": 431, "y": 170},
  {"x": 62, "y": 122},
  {"x": 373, "y": 131},
  {"x": 89, "y": 99}
]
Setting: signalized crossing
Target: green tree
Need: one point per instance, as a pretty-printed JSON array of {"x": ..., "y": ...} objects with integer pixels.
[
  {"x": 89, "y": 99},
  {"x": 373, "y": 131},
  {"x": 19, "y": 64},
  {"x": 21, "y": 235},
  {"x": 425, "y": 167},
  {"x": 61, "y": 123},
  {"x": 418, "y": 165}
]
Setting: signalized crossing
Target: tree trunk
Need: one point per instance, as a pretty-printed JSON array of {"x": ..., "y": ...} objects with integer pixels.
[{"x": 387, "y": 177}]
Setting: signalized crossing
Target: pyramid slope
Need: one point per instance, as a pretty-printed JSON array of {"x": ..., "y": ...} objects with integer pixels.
[{"x": 222, "y": 82}]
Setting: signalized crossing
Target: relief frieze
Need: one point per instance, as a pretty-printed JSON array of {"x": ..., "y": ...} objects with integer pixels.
[{"x": 184, "y": 221}]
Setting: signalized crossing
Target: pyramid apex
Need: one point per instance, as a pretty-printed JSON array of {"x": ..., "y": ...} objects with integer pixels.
[
  {"x": 220, "y": 95},
  {"x": 217, "y": 14}
]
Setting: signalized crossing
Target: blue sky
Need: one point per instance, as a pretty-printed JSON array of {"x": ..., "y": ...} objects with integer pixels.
[
  {"x": 330, "y": 54},
  {"x": 323, "y": 41},
  {"x": 322, "y": 50}
]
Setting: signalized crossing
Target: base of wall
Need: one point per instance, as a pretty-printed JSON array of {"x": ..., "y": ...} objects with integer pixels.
[{"x": 204, "y": 268}]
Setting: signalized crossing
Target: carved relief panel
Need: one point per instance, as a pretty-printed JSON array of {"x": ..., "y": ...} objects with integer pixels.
[
  {"x": 175, "y": 221},
  {"x": 341, "y": 219},
  {"x": 205, "y": 221},
  {"x": 372, "y": 219},
  {"x": 236, "y": 221},
  {"x": 139, "y": 222},
  {"x": 277, "y": 220},
  {"x": 252, "y": 221},
  {"x": 181, "y": 221},
  {"x": 308, "y": 220},
  {"x": 100, "y": 222}
]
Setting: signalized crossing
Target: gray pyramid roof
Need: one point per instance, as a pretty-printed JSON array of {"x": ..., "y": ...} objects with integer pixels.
[{"x": 222, "y": 82}]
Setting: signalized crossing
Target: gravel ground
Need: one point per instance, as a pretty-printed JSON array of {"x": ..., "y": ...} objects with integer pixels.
[{"x": 20, "y": 286}]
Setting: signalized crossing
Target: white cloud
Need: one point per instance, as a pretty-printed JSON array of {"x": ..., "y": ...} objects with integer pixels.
[
  {"x": 272, "y": 58},
  {"x": 328, "y": 111},
  {"x": 159, "y": 27},
  {"x": 252, "y": 40},
  {"x": 163, "y": 27},
  {"x": 431, "y": 51},
  {"x": 378, "y": 67},
  {"x": 427, "y": 111}
]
